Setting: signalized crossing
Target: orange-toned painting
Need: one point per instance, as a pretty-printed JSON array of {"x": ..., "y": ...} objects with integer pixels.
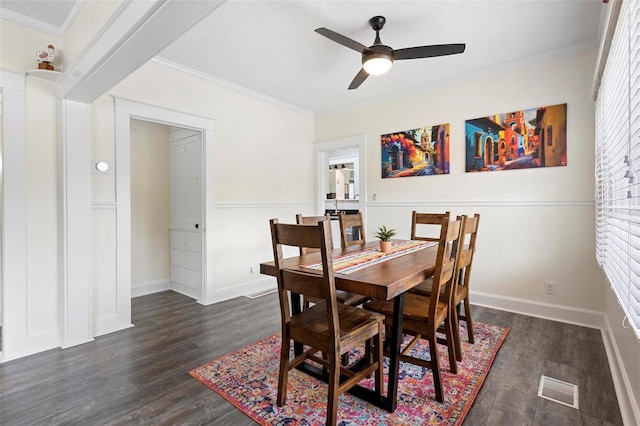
[
  {"x": 417, "y": 152},
  {"x": 535, "y": 137}
]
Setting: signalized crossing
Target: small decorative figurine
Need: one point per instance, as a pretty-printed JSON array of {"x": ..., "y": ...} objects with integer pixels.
[{"x": 45, "y": 58}]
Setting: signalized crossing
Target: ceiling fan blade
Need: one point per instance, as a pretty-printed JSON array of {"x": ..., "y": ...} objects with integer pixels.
[
  {"x": 339, "y": 38},
  {"x": 428, "y": 51},
  {"x": 358, "y": 79}
]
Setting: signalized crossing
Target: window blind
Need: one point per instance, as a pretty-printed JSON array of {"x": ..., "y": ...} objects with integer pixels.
[{"x": 618, "y": 163}]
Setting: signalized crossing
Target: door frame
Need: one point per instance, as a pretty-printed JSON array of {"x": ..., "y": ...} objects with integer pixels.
[
  {"x": 125, "y": 110},
  {"x": 321, "y": 152}
]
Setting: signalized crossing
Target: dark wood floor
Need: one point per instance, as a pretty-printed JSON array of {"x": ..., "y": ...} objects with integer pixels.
[{"x": 139, "y": 376}]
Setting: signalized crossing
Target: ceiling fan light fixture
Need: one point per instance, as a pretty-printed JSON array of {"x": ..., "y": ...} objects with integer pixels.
[
  {"x": 377, "y": 64},
  {"x": 378, "y": 58}
]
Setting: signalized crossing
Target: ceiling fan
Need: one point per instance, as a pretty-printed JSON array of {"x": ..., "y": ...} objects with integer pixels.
[{"x": 378, "y": 58}]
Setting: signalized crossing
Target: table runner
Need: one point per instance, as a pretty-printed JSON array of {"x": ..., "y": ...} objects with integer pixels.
[{"x": 352, "y": 262}]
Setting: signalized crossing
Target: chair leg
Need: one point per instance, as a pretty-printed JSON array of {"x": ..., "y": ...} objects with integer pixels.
[
  {"x": 369, "y": 352},
  {"x": 284, "y": 371},
  {"x": 456, "y": 334},
  {"x": 333, "y": 393},
  {"x": 467, "y": 313},
  {"x": 435, "y": 367},
  {"x": 451, "y": 346},
  {"x": 378, "y": 357},
  {"x": 345, "y": 359}
]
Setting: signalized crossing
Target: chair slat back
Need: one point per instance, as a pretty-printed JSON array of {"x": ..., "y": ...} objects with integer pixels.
[
  {"x": 469, "y": 232},
  {"x": 312, "y": 284},
  {"x": 448, "y": 254},
  {"x": 426, "y": 219},
  {"x": 350, "y": 221},
  {"x": 312, "y": 220}
]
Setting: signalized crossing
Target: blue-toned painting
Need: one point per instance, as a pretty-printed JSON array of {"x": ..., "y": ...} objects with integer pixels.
[
  {"x": 417, "y": 152},
  {"x": 535, "y": 137}
]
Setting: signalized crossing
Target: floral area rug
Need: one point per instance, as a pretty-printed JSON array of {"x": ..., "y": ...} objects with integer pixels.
[{"x": 248, "y": 379}]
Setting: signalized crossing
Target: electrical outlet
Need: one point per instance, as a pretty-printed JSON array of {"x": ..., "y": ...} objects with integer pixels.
[
  {"x": 252, "y": 269},
  {"x": 549, "y": 287}
]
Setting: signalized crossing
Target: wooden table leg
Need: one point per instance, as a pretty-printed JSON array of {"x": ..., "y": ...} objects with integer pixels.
[{"x": 394, "y": 351}]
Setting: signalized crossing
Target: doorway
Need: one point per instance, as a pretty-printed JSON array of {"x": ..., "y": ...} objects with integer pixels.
[
  {"x": 127, "y": 110},
  {"x": 166, "y": 208},
  {"x": 342, "y": 151}
]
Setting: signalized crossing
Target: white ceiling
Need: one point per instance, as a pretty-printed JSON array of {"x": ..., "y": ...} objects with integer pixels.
[
  {"x": 270, "y": 47},
  {"x": 49, "y": 16}
]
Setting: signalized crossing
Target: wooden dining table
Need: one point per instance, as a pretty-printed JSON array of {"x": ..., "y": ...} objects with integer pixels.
[{"x": 386, "y": 280}]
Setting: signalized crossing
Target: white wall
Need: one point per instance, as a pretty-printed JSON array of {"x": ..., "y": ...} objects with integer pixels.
[
  {"x": 41, "y": 184},
  {"x": 536, "y": 225},
  {"x": 150, "y": 205},
  {"x": 42, "y": 214},
  {"x": 258, "y": 145}
]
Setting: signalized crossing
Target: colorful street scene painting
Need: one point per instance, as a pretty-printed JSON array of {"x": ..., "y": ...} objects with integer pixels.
[
  {"x": 535, "y": 137},
  {"x": 417, "y": 152}
]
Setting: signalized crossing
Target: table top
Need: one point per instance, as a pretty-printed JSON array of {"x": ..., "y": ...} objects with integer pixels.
[{"x": 383, "y": 281}]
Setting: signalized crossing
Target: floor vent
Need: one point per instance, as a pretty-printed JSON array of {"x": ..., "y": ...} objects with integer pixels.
[
  {"x": 558, "y": 391},
  {"x": 262, "y": 293}
]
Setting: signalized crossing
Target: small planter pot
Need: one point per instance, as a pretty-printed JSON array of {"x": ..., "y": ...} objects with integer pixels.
[{"x": 385, "y": 246}]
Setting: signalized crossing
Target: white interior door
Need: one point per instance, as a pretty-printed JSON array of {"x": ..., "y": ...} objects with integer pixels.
[{"x": 185, "y": 161}]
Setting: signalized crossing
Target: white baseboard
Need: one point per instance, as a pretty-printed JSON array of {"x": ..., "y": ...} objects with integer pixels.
[
  {"x": 108, "y": 324},
  {"x": 244, "y": 289},
  {"x": 251, "y": 287},
  {"x": 143, "y": 289},
  {"x": 42, "y": 341},
  {"x": 186, "y": 290},
  {"x": 628, "y": 407},
  {"x": 566, "y": 314}
]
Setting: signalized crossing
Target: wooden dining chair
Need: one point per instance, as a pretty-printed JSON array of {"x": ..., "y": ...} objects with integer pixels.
[
  {"x": 328, "y": 327},
  {"x": 422, "y": 315},
  {"x": 433, "y": 222},
  {"x": 461, "y": 295},
  {"x": 351, "y": 221},
  {"x": 426, "y": 227},
  {"x": 311, "y": 220},
  {"x": 345, "y": 297}
]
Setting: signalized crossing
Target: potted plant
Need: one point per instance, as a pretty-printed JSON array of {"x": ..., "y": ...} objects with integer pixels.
[{"x": 384, "y": 235}]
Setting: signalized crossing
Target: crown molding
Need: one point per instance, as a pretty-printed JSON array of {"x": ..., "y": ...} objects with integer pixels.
[{"x": 232, "y": 86}]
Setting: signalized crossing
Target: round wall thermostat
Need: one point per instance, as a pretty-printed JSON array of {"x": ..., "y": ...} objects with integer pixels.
[{"x": 102, "y": 166}]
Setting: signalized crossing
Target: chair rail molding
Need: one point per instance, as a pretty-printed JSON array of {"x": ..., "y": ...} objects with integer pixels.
[{"x": 482, "y": 203}]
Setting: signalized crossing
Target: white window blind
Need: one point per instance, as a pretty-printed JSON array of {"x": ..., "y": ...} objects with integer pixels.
[{"x": 618, "y": 163}]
